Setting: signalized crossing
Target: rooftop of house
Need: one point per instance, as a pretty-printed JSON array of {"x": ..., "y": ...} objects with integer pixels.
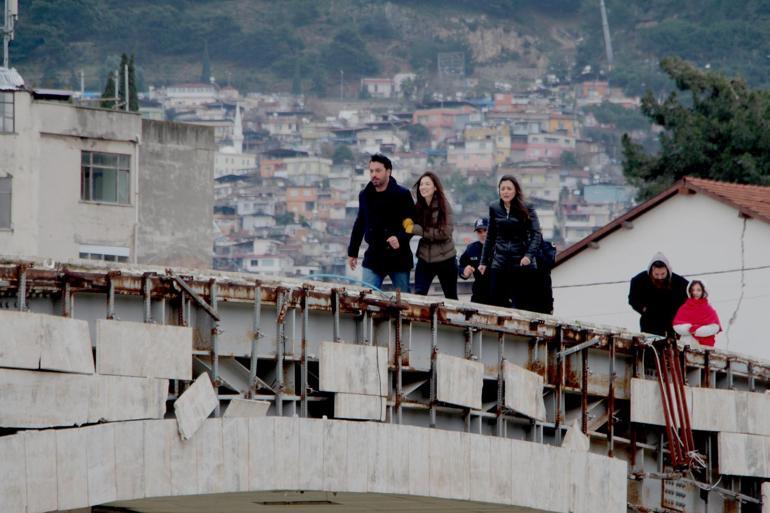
[{"x": 752, "y": 201}]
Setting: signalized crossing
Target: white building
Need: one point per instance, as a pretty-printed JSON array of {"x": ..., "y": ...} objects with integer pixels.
[
  {"x": 271, "y": 265},
  {"x": 713, "y": 231},
  {"x": 190, "y": 95},
  {"x": 231, "y": 160},
  {"x": 101, "y": 184},
  {"x": 377, "y": 139},
  {"x": 378, "y": 87}
]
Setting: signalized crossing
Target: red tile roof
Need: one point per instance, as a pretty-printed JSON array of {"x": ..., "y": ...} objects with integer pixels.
[{"x": 752, "y": 201}]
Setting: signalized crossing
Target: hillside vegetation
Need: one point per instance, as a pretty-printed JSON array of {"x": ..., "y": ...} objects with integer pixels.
[{"x": 274, "y": 45}]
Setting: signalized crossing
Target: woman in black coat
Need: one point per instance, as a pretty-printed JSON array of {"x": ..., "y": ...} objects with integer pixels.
[{"x": 513, "y": 239}]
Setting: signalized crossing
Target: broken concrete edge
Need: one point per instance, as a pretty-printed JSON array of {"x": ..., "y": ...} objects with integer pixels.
[
  {"x": 246, "y": 408},
  {"x": 575, "y": 439},
  {"x": 35, "y": 341},
  {"x": 35, "y": 399},
  {"x": 195, "y": 405}
]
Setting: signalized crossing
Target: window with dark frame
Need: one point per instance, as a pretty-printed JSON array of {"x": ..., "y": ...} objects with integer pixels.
[
  {"x": 5, "y": 202},
  {"x": 105, "y": 177},
  {"x": 7, "y": 108}
]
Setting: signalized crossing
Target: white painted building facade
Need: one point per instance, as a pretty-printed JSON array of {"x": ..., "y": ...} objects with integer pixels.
[{"x": 704, "y": 238}]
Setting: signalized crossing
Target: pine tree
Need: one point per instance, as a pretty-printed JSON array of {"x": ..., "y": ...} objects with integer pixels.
[
  {"x": 133, "y": 97},
  {"x": 206, "y": 68},
  {"x": 108, "y": 96}
]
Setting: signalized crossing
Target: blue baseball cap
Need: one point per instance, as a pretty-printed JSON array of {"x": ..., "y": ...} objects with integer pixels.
[{"x": 482, "y": 223}]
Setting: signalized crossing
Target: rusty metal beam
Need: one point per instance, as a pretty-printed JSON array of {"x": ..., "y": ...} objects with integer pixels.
[{"x": 190, "y": 292}]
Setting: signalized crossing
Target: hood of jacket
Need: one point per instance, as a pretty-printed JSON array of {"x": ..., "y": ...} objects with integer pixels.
[{"x": 662, "y": 258}]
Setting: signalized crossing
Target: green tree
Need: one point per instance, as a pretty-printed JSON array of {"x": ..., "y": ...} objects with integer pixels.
[
  {"x": 418, "y": 134},
  {"x": 133, "y": 97},
  {"x": 719, "y": 130},
  {"x": 342, "y": 154},
  {"x": 569, "y": 160},
  {"x": 318, "y": 82},
  {"x": 108, "y": 95}
]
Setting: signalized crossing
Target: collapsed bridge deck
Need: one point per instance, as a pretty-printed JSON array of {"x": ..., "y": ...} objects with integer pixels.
[{"x": 317, "y": 350}]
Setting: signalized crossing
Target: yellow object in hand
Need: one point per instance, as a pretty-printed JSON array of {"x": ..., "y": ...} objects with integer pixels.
[{"x": 408, "y": 225}]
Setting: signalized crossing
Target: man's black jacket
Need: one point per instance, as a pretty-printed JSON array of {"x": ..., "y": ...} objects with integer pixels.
[
  {"x": 472, "y": 256},
  {"x": 380, "y": 216},
  {"x": 658, "y": 305}
]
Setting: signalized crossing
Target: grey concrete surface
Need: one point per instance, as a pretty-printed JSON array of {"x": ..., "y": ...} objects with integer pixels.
[
  {"x": 176, "y": 162},
  {"x": 575, "y": 439},
  {"x": 143, "y": 350},
  {"x": 710, "y": 409},
  {"x": 353, "y": 369},
  {"x": 359, "y": 407},
  {"x": 195, "y": 405},
  {"x": 459, "y": 381},
  {"x": 744, "y": 455},
  {"x": 307, "y": 454},
  {"x": 246, "y": 408},
  {"x": 48, "y": 342},
  {"x": 34, "y": 399},
  {"x": 523, "y": 391}
]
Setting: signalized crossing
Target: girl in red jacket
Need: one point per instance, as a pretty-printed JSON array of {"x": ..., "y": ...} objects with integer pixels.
[{"x": 696, "y": 321}]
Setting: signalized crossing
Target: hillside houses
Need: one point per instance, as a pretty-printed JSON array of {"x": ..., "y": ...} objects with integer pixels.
[{"x": 289, "y": 169}]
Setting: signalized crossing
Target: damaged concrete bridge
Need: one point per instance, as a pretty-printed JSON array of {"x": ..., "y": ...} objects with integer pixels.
[{"x": 137, "y": 389}]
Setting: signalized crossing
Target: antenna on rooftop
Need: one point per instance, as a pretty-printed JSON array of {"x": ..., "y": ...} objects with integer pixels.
[
  {"x": 10, "y": 14},
  {"x": 607, "y": 39}
]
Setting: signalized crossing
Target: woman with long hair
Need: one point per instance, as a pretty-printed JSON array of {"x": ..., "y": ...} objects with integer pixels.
[
  {"x": 513, "y": 239},
  {"x": 696, "y": 321},
  {"x": 436, "y": 253}
]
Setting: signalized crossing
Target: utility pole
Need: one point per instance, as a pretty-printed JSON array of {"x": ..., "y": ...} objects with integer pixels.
[
  {"x": 607, "y": 39},
  {"x": 125, "y": 83},
  {"x": 10, "y": 14},
  {"x": 117, "y": 89},
  {"x": 342, "y": 81},
  {"x": 82, "y": 84}
]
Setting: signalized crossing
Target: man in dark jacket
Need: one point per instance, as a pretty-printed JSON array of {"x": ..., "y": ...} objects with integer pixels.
[
  {"x": 383, "y": 206},
  {"x": 657, "y": 294},
  {"x": 470, "y": 260}
]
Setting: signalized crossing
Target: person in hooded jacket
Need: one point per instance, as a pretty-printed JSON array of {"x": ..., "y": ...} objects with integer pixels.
[
  {"x": 436, "y": 252},
  {"x": 513, "y": 239},
  {"x": 383, "y": 207},
  {"x": 657, "y": 293},
  {"x": 696, "y": 322}
]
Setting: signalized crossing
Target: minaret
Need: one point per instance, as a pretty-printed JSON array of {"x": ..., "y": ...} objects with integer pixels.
[{"x": 238, "y": 130}]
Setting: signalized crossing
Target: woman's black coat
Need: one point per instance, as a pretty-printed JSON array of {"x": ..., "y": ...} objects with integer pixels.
[{"x": 510, "y": 238}]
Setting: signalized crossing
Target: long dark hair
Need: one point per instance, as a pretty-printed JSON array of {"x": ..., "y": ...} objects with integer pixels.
[
  {"x": 424, "y": 213},
  {"x": 517, "y": 205},
  {"x": 702, "y": 287}
]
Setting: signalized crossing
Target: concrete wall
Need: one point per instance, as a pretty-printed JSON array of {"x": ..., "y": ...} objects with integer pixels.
[
  {"x": 176, "y": 184},
  {"x": 49, "y": 218},
  {"x": 73, "y": 468},
  {"x": 697, "y": 234},
  {"x": 710, "y": 409},
  {"x": 171, "y": 170},
  {"x": 18, "y": 155}
]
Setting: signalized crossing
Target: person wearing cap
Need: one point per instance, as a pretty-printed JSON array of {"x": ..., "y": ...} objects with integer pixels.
[{"x": 469, "y": 263}]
